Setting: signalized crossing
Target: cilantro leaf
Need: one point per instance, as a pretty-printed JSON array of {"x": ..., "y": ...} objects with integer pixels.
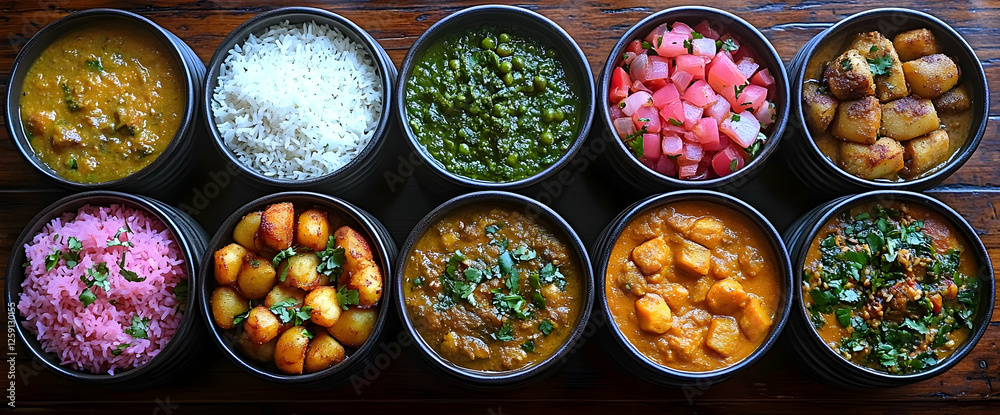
[
  {"x": 121, "y": 348},
  {"x": 880, "y": 66},
  {"x": 242, "y": 316},
  {"x": 87, "y": 297},
  {"x": 545, "y": 327},
  {"x": 729, "y": 45},
  {"x": 139, "y": 327},
  {"x": 529, "y": 346},
  {"x": 128, "y": 275},
  {"x": 281, "y": 256},
  {"x": 52, "y": 259},
  {"x": 331, "y": 260},
  {"x": 505, "y": 334},
  {"x": 347, "y": 297},
  {"x": 549, "y": 274}
]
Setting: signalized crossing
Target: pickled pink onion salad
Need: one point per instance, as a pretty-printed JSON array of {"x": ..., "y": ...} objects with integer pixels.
[
  {"x": 691, "y": 103},
  {"x": 103, "y": 288}
]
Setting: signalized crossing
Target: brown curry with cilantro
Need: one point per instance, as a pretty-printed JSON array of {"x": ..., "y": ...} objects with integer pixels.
[
  {"x": 891, "y": 287},
  {"x": 489, "y": 288},
  {"x": 102, "y": 102}
]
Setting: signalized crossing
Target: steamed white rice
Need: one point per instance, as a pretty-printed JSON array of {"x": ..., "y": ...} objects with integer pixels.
[{"x": 298, "y": 101}]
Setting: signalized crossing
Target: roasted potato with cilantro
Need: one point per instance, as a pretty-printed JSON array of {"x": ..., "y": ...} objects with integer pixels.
[
  {"x": 226, "y": 305},
  {"x": 324, "y": 351},
  {"x": 955, "y": 101},
  {"x": 245, "y": 232},
  {"x": 358, "y": 253},
  {"x": 228, "y": 261},
  {"x": 890, "y": 84},
  {"x": 857, "y": 121},
  {"x": 261, "y": 325},
  {"x": 849, "y": 76},
  {"x": 313, "y": 230},
  {"x": 281, "y": 293},
  {"x": 880, "y": 160},
  {"x": 915, "y": 44},
  {"x": 290, "y": 351},
  {"x": 325, "y": 307},
  {"x": 368, "y": 283},
  {"x": 300, "y": 271},
  {"x": 924, "y": 153},
  {"x": 277, "y": 226},
  {"x": 256, "y": 277},
  {"x": 931, "y": 76},
  {"x": 354, "y": 326},
  {"x": 908, "y": 117},
  {"x": 818, "y": 108}
]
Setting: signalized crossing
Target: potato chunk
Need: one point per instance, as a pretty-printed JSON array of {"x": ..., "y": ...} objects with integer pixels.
[
  {"x": 257, "y": 276},
  {"x": 324, "y": 305},
  {"x": 261, "y": 325},
  {"x": 290, "y": 352},
  {"x": 226, "y": 305},
  {"x": 281, "y": 293},
  {"x": 368, "y": 282},
  {"x": 707, "y": 232},
  {"x": 755, "y": 321},
  {"x": 651, "y": 255},
  {"x": 694, "y": 258},
  {"x": 356, "y": 250},
  {"x": 277, "y": 225},
  {"x": 323, "y": 352},
  {"x": 354, "y": 326},
  {"x": 300, "y": 271},
  {"x": 849, "y": 76},
  {"x": 675, "y": 295},
  {"x": 245, "y": 232},
  {"x": 955, "y": 101},
  {"x": 915, "y": 44},
  {"x": 751, "y": 261},
  {"x": 829, "y": 146},
  {"x": 817, "y": 108},
  {"x": 858, "y": 121},
  {"x": 726, "y": 297},
  {"x": 931, "y": 76},
  {"x": 880, "y": 160},
  {"x": 260, "y": 352},
  {"x": 313, "y": 230},
  {"x": 874, "y": 47},
  {"x": 908, "y": 117},
  {"x": 723, "y": 335},
  {"x": 924, "y": 153},
  {"x": 228, "y": 261},
  {"x": 653, "y": 313}
]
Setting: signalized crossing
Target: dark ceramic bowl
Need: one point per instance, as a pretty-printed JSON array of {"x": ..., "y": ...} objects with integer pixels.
[
  {"x": 821, "y": 174},
  {"x": 383, "y": 249},
  {"x": 624, "y": 352},
  {"x": 633, "y": 170},
  {"x": 814, "y": 355},
  {"x": 159, "y": 174},
  {"x": 348, "y": 175},
  {"x": 490, "y": 380},
  {"x": 530, "y": 24},
  {"x": 183, "y": 346}
]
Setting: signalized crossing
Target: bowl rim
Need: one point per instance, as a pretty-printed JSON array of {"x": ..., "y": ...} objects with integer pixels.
[
  {"x": 835, "y": 207},
  {"x": 763, "y": 49},
  {"x": 532, "y": 20},
  {"x": 618, "y": 225},
  {"x": 223, "y": 236},
  {"x": 270, "y": 18},
  {"x": 507, "y": 378},
  {"x": 955, "y": 161},
  {"x": 102, "y": 198},
  {"x": 170, "y": 41}
]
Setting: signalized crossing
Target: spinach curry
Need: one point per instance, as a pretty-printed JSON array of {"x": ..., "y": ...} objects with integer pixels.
[{"x": 102, "y": 102}]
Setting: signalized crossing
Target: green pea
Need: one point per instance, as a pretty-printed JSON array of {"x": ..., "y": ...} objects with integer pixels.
[
  {"x": 488, "y": 43},
  {"x": 504, "y": 38},
  {"x": 512, "y": 159},
  {"x": 463, "y": 134},
  {"x": 548, "y": 115},
  {"x": 546, "y": 137},
  {"x": 455, "y": 64},
  {"x": 508, "y": 79},
  {"x": 518, "y": 62},
  {"x": 550, "y": 53},
  {"x": 464, "y": 149},
  {"x": 505, "y": 67},
  {"x": 522, "y": 110},
  {"x": 498, "y": 110},
  {"x": 558, "y": 115},
  {"x": 475, "y": 110},
  {"x": 505, "y": 50},
  {"x": 540, "y": 83},
  {"x": 448, "y": 144}
]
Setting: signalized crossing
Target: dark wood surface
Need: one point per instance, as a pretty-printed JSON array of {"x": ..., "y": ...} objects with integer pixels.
[{"x": 590, "y": 381}]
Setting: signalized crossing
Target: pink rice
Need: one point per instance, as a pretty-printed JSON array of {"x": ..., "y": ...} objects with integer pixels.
[{"x": 85, "y": 337}]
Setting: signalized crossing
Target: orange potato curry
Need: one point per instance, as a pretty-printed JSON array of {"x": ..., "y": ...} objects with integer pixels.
[
  {"x": 102, "y": 102},
  {"x": 492, "y": 289},
  {"x": 692, "y": 285}
]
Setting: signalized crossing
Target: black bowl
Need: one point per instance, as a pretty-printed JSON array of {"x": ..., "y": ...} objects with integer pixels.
[
  {"x": 383, "y": 248},
  {"x": 159, "y": 174},
  {"x": 484, "y": 380},
  {"x": 622, "y": 349},
  {"x": 814, "y": 355},
  {"x": 183, "y": 346},
  {"x": 631, "y": 168},
  {"x": 530, "y": 24},
  {"x": 348, "y": 175},
  {"x": 821, "y": 174}
]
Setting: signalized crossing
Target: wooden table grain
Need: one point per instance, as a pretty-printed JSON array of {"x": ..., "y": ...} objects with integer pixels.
[{"x": 590, "y": 382}]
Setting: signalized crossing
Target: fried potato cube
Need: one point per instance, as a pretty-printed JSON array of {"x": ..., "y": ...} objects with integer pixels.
[
  {"x": 245, "y": 232},
  {"x": 277, "y": 225},
  {"x": 755, "y": 321},
  {"x": 880, "y": 160},
  {"x": 675, "y": 295},
  {"x": 281, "y": 293},
  {"x": 707, "y": 232},
  {"x": 829, "y": 146},
  {"x": 290, "y": 351},
  {"x": 726, "y": 297},
  {"x": 849, "y": 76},
  {"x": 651, "y": 255},
  {"x": 931, "y": 76},
  {"x": 40, "y": 122},
  {"x": 723, "y": 335},
  {"x": 955, "y": 101},
  {"x": 915, "y": 44},
  {"x": 924, "y": 153},
  {"x": 356, "y": 250},
  {"x": 313, "y": 230},
  {"x": 228, "y": 261},
  {"x": 686, "y": 340},
  {"x": 653, "y": 313},
  {"x": 857, "y": 121},
  {"x": 354, "y": 326},
  {"x": 300, "y": 271},
  {"x": 257, "y": 276},
  {"x": 261, "y": 325},
  {"x": 368, "y": 282},
  {"x": 694, "y": 258},
  {"x": 874, "y": 46},
  {"x": 260, "y": 352},
  {"x": 324, "y": 305},
  {"x": 700, "y": 290},
  {"x": 324, "y": 352},
  {"x": 908, "y": 117},
  {"x": 725, "y": 264},
  {"x": 817, "y": 108},
  {"x": 226, "y": 305}
]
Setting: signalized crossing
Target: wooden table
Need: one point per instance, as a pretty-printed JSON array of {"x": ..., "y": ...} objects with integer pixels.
[{"x": 590, "y": 381}]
